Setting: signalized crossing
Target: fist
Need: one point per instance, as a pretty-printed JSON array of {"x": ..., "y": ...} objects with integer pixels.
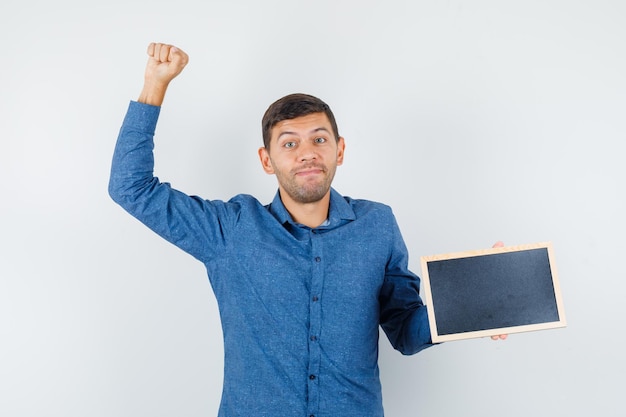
[{"x": 165, "y": 62}]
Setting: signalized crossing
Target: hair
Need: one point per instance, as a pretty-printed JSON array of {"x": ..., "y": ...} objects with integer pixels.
[{"x": 291, "y": 107}]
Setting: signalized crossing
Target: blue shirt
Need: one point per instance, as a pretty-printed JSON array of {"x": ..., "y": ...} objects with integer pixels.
[{"x": 300, "y": 307}]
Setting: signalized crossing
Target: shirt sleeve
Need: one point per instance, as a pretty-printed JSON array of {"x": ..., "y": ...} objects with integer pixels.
[
  {"x": 403, "y": 315},
  {"x": 195, "y": 225}
]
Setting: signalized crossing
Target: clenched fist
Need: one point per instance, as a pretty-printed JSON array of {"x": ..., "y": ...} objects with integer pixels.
[{"x": 165, "y": 62}]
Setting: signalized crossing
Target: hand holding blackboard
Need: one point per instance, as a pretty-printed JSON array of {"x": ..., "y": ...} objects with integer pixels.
[{"x": 492, "y": 292}]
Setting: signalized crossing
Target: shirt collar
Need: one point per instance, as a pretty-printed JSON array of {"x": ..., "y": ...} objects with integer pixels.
[{"x": 340, "y": 210}]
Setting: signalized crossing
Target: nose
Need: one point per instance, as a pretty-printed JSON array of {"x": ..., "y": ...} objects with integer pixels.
[{"x": 306, "y": 152}]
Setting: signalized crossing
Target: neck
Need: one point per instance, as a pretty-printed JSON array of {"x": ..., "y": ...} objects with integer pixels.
[{"x": 308, "y": 214}]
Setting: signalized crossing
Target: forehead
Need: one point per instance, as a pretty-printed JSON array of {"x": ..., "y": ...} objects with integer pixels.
[{"x": 302, "y": 125}]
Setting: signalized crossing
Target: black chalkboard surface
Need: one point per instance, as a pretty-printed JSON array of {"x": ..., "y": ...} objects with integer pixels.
[{"x": 491, "y": 292}]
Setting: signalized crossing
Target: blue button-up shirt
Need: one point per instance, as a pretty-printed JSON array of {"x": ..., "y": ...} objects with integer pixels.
[{"x": 300, "y": 307}]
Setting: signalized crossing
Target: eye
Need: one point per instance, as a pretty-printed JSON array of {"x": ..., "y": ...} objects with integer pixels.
[
  {"x": 320, "y": 140},
  {"x": 289, "y": 145}
]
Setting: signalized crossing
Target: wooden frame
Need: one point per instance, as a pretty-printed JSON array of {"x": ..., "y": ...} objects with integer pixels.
[{"x": 492, "y": 291}]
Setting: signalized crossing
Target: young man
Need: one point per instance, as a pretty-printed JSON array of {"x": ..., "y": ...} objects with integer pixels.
[{"x": 302, "y": 283}]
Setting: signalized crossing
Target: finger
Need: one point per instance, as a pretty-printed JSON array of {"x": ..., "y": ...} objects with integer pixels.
[
  {"x": 498, "y": 244},
  {"x": 151, "y": 49},
  {"x": 164, "y": 53},
  {"x": 173, "y": 54},
  {"x": 156, "y": 47},
  {"x": 158, "y": 51}
]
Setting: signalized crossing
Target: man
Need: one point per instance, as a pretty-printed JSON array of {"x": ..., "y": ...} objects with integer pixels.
[{"x": 302, "y": 283}]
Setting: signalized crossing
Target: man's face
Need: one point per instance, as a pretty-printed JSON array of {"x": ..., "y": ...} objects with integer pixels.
[{"x": 304, "y": 155}]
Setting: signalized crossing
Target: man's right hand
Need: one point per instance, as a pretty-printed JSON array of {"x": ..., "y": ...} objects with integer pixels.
[{"x": 165, "y": 62}]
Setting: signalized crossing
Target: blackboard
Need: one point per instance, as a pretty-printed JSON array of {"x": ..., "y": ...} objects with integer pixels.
[{"x": 493, "y": 291}]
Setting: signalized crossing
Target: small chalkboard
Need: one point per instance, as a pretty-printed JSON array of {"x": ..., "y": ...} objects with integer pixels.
[{"x": 492, "y": 292}]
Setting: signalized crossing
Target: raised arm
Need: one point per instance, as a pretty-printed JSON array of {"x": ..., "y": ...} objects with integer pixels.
[
  {"x": 165, "y": 62},
  {"x": 193, "y": 224}
]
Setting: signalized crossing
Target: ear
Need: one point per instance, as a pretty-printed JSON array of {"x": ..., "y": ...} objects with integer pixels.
[
  {"x": 266, "y": 162},
  {"x": 341, "y": 147}
]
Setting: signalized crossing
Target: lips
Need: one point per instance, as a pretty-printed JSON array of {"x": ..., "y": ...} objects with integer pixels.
[{"x": 310, "y": 170}]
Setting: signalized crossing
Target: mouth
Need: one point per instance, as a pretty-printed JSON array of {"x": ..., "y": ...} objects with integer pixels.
[{"x": 311, "y": 170}]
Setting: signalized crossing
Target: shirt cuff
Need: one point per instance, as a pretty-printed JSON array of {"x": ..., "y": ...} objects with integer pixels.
[{"x": 142, "y": 117}]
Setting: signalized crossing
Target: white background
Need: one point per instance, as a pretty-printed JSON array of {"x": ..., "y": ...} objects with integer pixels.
[{"x": 476, "y": 121}]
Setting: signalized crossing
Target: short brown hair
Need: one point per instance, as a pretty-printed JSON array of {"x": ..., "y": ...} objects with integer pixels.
[{"x": 291, "y": 107}]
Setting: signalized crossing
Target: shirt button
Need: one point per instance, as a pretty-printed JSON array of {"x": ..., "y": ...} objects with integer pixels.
[
  {"x": 317, "y": 259},
  {"x": 313, "y": 338},
  {"x": 311, "y": 377},
  {"x": 315, "y": 299}
]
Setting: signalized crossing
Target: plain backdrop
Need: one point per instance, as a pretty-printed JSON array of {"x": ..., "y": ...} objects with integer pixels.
[{"x": 476, "y": 121}]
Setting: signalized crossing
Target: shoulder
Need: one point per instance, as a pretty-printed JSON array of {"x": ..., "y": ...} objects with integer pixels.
[
  {"x": 363, "y": 206},
  {"x": 374, "y": 213},
  {"x": 231, "y": 208},
  {"x": 245, "y": 199},
  {"x": 245, "y": 202}
]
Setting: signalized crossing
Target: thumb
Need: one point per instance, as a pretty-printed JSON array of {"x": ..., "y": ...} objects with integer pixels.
[
  {"x": 177, "y": 56},
  {"x": 173, "y": 51}
]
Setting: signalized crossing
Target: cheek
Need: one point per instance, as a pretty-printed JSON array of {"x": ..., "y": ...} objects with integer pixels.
[
  {"x": 279, "y": 170},
  {"x": 278, "y": 165}
]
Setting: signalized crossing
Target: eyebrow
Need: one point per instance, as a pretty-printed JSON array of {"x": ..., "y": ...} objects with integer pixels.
[{"x": 289, "y": 132}]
